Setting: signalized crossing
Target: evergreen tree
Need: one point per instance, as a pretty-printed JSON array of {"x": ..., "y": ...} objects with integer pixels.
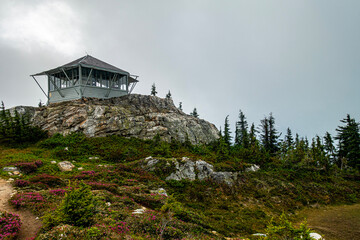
[
  {"x": 180, "y": 106},
  {"x": 252, "y": 135},
  {"x": 16, "y": 128},
  {"x": 273, "y": 135},
  {"x": 194, "y": 113},
  {"x": 306, "y": 141},
  {"x": 318, "y": 154},
  {"x": 153, "y": 90},
  {"x": 227, "y": 136},
  {"x": 329, "y": 146},
  {"x": 349, "y": 141},
  {"x": 289, "y": 140},
  {"x": 269, "y": 135},
  {"x": 241, "y": 131},
  {"x": 264, "y": 133},
  {"x": 168, "y": 95},
  {"x": 222, "y": 153},
  {"x": 297, "y": 140}
]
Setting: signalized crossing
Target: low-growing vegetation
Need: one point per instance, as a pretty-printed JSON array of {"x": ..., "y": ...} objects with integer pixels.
[
  {"x": 9, "y": 225},
  {"x": 110, "y": 195}
]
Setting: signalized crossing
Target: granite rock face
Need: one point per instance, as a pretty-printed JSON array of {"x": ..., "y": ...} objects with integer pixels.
[{"x": 133, "y": 115}]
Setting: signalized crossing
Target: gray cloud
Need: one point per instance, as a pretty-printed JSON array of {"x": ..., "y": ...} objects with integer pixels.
[{"x": 298, "y": 60}]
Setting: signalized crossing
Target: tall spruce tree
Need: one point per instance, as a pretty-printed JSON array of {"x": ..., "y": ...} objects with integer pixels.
[
  {"x": 252, "y": 135},
  {"x": 289, "y": 140},
  {"x": 297, "y": 140},
  {"x": 264, "y": 133},
  {"x": 269, "y": 134},
  {"x": 227, "y": 136},
  {"x": 349, "y": 141},
  {"x": 241, "y": 132},
  {"x": 329, "y": 146}
]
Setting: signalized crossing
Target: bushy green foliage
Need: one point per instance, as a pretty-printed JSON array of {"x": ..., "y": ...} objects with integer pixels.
[
  {"x": 16, "y": 128},
  {"x": 77, "y": 208},
  {"x": 349, "y": 142},
  {"x": 284, "y": 230}
]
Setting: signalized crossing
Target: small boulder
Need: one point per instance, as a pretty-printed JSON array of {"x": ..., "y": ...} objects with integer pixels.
[
  {"x": 259, "y": 234},
  {"x": 159, "y": 191},
  {"x": 66, "y": 166},
  {"x": 80, "y": 168},
  {"x": 10, "y": 169},
  {"x": 138, "y": 211},
  {"x": 252, "y": 168},
  {"x": 316, "y": 236},
  {"x": 53, "y": 162}
]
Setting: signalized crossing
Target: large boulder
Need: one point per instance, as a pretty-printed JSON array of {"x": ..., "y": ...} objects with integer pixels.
[
  {"x": 132, "y": 115},
  {"x": 187, "y": 169},
  {"x": 65, "y": 166}
]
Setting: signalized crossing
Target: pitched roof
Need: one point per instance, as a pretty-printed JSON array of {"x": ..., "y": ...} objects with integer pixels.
[{"x": 86, "y": 61}]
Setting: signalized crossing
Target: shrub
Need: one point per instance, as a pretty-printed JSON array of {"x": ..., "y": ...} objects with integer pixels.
[
  {"x": 111, "y": 187},
  {"x": 76, "y": 209},
  {"x": 28, "y": 199},
  {"x": 9, "y": 225},
  {"x": 86, "y": 175},
  {"x": 285, "y": 230},
  {"x": 51, "y": 181},
  {"x": 38, "y": 163},
  {"x": 27, "y": 167},
  {"x": 58, "y": 192},
  {"x": 21, "y": 183}
]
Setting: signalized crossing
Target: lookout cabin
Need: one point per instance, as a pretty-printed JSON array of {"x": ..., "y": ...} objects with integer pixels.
[{"x": 86, "y": 77}]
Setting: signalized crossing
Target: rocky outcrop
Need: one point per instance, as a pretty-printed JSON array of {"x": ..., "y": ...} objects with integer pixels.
[
  {"x": 130, "y": 116},
  {"x": 187, "y": 169}
]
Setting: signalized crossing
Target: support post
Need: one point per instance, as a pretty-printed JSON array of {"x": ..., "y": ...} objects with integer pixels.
[
  {"x": 80, "y": 80},
  {"x": 132, "y": 87},
  {"x": 40, "y": 87},
  {"x": 111, "y": 85},
  {"x": 87, "y": 81}
]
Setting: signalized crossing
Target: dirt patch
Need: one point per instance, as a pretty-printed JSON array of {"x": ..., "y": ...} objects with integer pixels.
[
  {"x": 30, "y": 225},
  {"x": 336, "y": 222}
]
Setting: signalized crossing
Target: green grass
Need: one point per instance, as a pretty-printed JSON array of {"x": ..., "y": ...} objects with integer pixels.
[{"x": 198, "y": 207}]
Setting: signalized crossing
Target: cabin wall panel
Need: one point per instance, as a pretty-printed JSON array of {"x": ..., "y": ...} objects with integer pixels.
[{"x": 69, "y": 94}]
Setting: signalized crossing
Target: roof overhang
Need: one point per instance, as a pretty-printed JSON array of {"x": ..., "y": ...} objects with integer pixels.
[{"x": 60, "y": 69}]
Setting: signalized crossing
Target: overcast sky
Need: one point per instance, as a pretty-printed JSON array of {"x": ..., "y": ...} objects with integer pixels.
[{"x": 297, "y": 59}]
